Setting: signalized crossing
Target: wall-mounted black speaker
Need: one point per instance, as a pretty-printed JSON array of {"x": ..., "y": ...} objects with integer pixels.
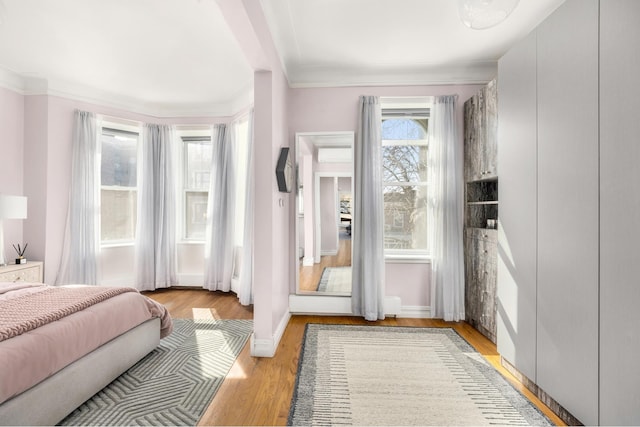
[{"x": 284, "y": 171}]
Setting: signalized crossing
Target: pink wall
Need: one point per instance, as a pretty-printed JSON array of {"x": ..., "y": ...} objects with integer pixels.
[
  {"x": 35, "y": 175},
  {"x": 336, "y": 109},
  {"x": 274, "y": 212},
  {"x": 11, "y": 162},
  {"x": 48, "y": 122}
]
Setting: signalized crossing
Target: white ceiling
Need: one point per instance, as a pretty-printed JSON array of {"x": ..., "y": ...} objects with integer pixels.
[
  {"x": 355, "y": 42},
  {"x": 179, "y": 57},
  {"x": 159, "y": 56}
]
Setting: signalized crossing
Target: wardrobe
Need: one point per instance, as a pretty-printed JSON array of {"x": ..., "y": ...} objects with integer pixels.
[{"x": 568, "y": 243}]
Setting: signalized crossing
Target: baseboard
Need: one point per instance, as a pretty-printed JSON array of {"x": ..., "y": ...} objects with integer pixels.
[
  {"x": 268, "y": 347},
  {"x": 332, "y": 252},
  {"x": 335, "y": 305},
  {"x": 415, "y": 311},
  {"x": 307, "y": 261},
  {"x": 191, "y": 279}
]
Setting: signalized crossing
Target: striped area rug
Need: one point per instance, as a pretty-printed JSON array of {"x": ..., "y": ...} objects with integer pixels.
[
  {"x": 174, "y": 384},
  {"x": 335, "y": 280},
  {"x": 373, "y": 375}
]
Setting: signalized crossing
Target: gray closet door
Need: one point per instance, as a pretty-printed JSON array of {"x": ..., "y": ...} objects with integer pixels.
[
  {"x": 619, "y": 213},
  {"x": 517, "y": 153},
  {"x": 567, "y": 328}
]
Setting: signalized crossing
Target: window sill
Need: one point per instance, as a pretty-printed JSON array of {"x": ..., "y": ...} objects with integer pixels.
[
  {"x": 407, "y": 259},
  {"x": 116, "y": 245},
  {"x": 191, "y": 242}
]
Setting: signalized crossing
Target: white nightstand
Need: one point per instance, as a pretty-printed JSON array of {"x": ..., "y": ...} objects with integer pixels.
[{"x": 29, "y": 272}]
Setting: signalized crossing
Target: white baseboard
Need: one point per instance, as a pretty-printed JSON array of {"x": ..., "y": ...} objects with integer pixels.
[
  {"x": 415, "y": 311},
  {"x": 307, "y": 261},
  {"x": 335, "y": 305},
  {"x": 191, "y": 279},
  {"x": 267, "y": 347},
  {"x": 332, "y": 252}
]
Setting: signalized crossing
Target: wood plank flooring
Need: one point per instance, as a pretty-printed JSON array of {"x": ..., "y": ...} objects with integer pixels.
[
  {"x": 310, "y": 275},
  {"x": 257, "y": 391}
]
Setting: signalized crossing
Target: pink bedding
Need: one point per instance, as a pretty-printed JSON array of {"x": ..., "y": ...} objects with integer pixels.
[{"x": 32, "y": 356}]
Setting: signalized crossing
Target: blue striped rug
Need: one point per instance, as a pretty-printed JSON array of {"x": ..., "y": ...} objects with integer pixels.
[
  {"x": 373, "y": 375},
  {"x": 175, "y": 383}
]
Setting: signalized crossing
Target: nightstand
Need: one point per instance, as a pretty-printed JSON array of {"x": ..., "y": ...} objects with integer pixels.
[{"x": 29, "y": 272}]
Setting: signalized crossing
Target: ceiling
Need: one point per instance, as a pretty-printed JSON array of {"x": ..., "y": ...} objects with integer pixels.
[
  {"x": 355, "y": 42},
  {"x": 180, "y": 58}
]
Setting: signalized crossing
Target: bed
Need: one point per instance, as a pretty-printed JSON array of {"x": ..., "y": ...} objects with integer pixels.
[{"x": 61, "y": 345}]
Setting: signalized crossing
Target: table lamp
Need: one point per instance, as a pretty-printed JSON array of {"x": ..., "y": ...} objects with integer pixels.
[{"x": 11, "y": 207}]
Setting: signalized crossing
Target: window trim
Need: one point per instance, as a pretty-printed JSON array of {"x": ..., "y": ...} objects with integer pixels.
[
  {"x": 418, "y": 256},
  {"x": 112, "y": 129},
  {"x": 186, "y": 137}
]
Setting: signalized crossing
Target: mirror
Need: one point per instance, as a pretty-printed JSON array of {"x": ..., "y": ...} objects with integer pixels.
[{"x": 324, "y": 201}]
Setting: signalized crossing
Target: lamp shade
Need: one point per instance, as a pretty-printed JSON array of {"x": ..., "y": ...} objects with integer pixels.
[
  {"x": 482, "y": 14},
  {"x": 13, "y": 207}
]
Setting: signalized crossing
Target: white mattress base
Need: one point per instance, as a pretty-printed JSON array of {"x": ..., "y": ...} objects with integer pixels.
[{"x": 48, "y": 402}]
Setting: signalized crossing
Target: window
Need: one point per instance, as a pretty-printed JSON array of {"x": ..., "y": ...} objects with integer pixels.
[
  {"x": 198, "y": 153},
  {"x": 404, "y": 161},
  {"x": 118, "y": 191}
]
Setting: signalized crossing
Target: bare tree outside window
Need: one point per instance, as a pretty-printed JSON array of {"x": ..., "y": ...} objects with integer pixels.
[{"x": 404, "y": 159}]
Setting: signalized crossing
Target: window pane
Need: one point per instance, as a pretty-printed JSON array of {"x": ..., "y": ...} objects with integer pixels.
[
  {"x": 118, "y": 214},
  {"x": 198, "y": 164},
  {"x": 404, "y": 129},
  {"x": 405, "y": 217},
  {"x": 404, "y": 163},
  {"x": 195, "y": 214},
  {"x": 119, "y": 153},
  {"x": 118, "y": 171}
]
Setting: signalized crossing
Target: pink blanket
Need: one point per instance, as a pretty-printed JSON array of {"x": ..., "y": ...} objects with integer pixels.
[
  {"x": 30, "y": 357},
  {"x": 33, "y": 310}
]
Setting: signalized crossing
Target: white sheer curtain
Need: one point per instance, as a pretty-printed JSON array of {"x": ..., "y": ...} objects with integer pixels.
[
  {"x": 155, "y": 251},
  {"x": 367, "y": 295},
  {"x": 245, "y": 288},
  {"x": 81, "y": 240},
  {"x": 446, "y": 211},
  {"x": 219, "y": 247}
]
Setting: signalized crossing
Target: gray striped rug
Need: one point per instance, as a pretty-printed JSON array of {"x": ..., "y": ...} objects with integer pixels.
[
  {"x": 372, "y": 375},
  {"x": 174, "y": 384}
]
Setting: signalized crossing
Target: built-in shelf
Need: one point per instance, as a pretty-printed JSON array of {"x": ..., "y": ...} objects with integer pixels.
[{"x": 482, "y": 203}]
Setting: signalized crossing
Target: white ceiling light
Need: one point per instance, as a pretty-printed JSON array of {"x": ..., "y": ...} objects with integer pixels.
[{"x": 481, "y": 14}]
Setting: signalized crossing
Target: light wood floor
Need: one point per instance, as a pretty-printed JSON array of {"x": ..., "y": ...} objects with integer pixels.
[
  {"x": 310, "y": 276},
  {"x": 257, "y": 391}
]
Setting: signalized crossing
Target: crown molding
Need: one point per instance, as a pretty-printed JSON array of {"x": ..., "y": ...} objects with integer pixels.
[
  {"x": 338, "y": 76},
  {"x": 32, "y": 85},
  {"x": 12, "y": 81}
]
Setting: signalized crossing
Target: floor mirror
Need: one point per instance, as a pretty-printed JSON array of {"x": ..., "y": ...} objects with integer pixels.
[{"x": 324, "y": 203}]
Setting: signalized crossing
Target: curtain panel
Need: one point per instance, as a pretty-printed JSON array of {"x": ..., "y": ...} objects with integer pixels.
[
  {"x": 81, "y": 240},
  {"x": 245, "y": 288},
  {"x": 367, "y": 295},
  {"x": 155, "y": 247},
  {"x": 446, "y": 211},
  {"x": 219, "y": 246}
]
